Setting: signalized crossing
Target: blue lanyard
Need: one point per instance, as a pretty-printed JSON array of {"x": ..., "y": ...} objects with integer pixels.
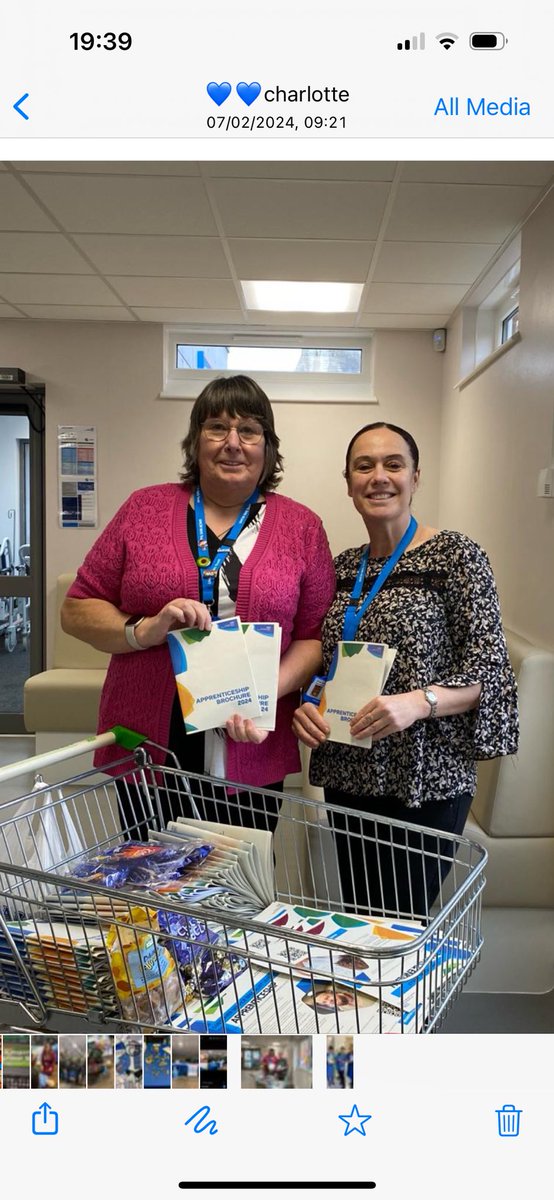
[
  {"x": 210, "y": 570},
  {"x": 353, "y": 615}
]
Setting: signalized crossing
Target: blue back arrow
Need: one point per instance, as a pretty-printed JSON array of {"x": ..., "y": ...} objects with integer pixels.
[{"x": 20, "y": 110}]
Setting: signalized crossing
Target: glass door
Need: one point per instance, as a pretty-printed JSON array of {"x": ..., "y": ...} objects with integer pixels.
[{"x": 21, "y": 548}]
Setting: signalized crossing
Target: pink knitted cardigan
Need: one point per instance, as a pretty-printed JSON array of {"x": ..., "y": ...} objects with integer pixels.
[{"x": 143, "y": 559}]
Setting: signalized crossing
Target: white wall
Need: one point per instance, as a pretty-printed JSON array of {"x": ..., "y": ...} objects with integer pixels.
[
  {"x": 111, "y": 376},
  {"x": 497, "y": 435}
]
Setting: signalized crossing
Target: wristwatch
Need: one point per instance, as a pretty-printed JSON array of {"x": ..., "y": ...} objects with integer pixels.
[
  {"x": 432, "y": 700},
  {"x": 131, "y": 624}
]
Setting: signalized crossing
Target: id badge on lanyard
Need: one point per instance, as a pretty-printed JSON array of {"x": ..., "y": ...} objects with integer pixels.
[
  {"x": 356, "y": 611},
  {"x": 210, "y": 570}
]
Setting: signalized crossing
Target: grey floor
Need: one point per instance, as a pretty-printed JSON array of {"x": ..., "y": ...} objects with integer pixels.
[
  {"x": 14, "y": 670},
  {"x": 500, "y": 1012}
]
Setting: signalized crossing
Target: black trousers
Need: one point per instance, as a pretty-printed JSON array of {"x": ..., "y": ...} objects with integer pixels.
[
  {"x": 252, "y": 809},
  {"x": 248, "y": 808},
  {"x": 394, "y": 871}
]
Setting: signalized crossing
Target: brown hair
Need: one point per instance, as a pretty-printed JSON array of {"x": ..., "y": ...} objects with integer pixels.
[
  {"x": 237, "y": 396},
  {"x": 409, "y": 440}
]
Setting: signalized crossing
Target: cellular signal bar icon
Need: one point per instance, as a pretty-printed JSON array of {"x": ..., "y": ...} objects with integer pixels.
[{"x": 417, "y": 42}]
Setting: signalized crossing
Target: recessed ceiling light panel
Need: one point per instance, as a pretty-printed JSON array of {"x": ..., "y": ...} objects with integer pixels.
[{"x": 284, "y": 295}]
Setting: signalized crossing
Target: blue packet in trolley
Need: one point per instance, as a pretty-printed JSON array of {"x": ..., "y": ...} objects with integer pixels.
[
  {"x": 141, "y": 864},
  {"x": 189, "y": 935},
  {"x": 218, "y": 968},
  {"x": 205, "y": 966}
]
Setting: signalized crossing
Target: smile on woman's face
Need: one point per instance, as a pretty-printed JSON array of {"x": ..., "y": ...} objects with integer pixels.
[
  {"x": 230, "y": 462},
  {"x": 381, "y": 475}
]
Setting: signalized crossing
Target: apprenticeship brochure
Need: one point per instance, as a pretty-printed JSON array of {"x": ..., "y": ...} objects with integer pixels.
[
  {"x": 358, "y": 673},
  {"x": 232, "y": 667}
]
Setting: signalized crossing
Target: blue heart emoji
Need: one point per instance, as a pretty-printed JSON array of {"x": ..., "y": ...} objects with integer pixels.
[
  {"x": 218, "y": 92},
  {"x": 249, "y": 92}
]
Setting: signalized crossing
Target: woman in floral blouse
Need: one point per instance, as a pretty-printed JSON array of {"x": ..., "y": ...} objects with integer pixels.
[{"x": 449, "y": 700}]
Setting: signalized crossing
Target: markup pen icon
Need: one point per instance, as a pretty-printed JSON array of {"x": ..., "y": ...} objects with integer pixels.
[{"x": 201, "y": 1124}]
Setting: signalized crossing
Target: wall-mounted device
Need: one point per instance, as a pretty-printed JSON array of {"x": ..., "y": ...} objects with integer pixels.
[
  {"x": 12, "y": 375},
  {"x": 439, "y": 340},
  {"x": 545, "y": 486}
]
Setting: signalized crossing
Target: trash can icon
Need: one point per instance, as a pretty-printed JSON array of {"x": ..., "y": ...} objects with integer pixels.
[{"x": 508, "y": 1120}]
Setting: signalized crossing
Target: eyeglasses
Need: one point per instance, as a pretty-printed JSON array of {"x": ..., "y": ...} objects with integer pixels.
[{"x": 248, "y": 432}]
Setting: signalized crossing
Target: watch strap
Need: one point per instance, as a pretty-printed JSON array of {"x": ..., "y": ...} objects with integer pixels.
[
  {"x": 432, "y": 700},
  {"x": 131, "y": 625}
]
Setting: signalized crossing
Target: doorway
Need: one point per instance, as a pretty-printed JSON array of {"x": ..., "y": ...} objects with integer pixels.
[{"x": 21, "y": 546}]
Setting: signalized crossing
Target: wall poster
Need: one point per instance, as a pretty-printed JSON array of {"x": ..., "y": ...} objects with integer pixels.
[{"x": 77, "y": 486}]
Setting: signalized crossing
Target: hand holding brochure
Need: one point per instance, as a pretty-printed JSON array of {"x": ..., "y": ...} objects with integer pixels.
[
  {"x": 233, "y": 667},
  {"x": 213, "y": 674},
  {"x": 358, "y": 673},
  {"x": 263, "y": 643}
]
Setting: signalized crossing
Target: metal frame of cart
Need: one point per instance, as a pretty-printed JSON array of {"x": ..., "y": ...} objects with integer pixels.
[{"x": 54, "y": 962}]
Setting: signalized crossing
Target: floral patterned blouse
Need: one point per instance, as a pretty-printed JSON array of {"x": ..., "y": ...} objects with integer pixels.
[{"x": 439, "y": 609}]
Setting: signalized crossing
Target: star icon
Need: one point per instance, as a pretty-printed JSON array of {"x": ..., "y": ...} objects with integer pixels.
[{"x": 354, "y": 1121}]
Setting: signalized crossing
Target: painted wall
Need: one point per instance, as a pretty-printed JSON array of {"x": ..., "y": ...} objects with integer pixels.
[
  {"x": 111, "y": 376},
  {"x": 496, "y": 437}
]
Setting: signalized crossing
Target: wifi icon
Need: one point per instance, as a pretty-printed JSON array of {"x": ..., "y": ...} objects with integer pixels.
[{"x": 447, "y": 39}]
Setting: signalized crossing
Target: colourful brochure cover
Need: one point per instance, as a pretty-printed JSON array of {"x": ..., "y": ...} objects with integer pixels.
[
  {"x": 263, "y": 643},
  {"x": 213, "y": 674},
  {"x": 357, "y": 674}
]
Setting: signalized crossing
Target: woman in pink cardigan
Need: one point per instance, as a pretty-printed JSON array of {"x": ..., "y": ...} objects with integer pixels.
[{"x": 220, "y": 542}]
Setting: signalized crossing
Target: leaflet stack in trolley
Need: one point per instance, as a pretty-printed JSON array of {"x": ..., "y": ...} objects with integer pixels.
[{"x": 224, "y": 867}]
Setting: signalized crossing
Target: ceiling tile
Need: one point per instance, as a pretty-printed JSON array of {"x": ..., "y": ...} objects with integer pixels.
[
  {"x": 413, "y": 297},
  {"x": 193, "y": 317},
  {"x": 479, "y": 172},
  {"x": 442, "y": 212},
  {"x": 175, "y": 293},
  {"x": 201, "y": 258},
  {"x": 7, "y": 312},
  {"x": 17, "y": 208},
  {"x": 380, "y": 171},
  {"x": 116, "y": 204},
  {"x": 307, "y": 209},
  {"x": 431, "y": 262},
  {"x": 110, "y": 168},
  {"x": 259, "y": 258},
  {"x": 149, "y": 228},
  {"x": 55, "y": 289},
  {"x": 39, "y": 252},
  {"x": 76, "y": 312}
]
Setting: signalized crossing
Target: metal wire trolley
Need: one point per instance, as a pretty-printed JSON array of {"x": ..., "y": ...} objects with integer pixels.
[{"x": 153, "y": 899}]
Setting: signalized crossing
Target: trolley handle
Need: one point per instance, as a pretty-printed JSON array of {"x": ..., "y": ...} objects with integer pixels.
[{"x": 118, "y": 736}]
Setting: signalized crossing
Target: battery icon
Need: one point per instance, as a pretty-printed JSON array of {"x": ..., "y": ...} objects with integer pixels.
[{"x": 487, "y": 41}]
